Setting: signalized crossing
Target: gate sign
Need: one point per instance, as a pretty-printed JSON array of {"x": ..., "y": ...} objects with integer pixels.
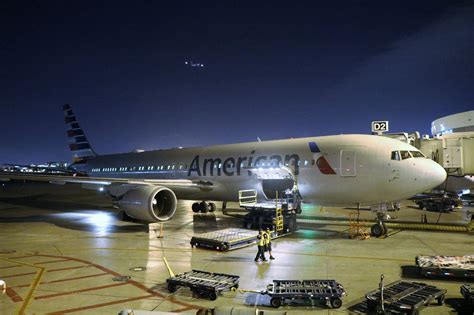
[{"x": 379, "y": 126}]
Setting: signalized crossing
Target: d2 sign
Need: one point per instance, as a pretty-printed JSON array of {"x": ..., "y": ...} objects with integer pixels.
[{"x": 379, "y": 126}]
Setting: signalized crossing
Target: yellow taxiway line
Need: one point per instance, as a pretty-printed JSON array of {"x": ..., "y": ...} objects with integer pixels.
[{"x": 34, "y": 284}]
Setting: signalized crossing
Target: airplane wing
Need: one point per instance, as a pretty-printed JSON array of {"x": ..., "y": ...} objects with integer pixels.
[{"x": 96, "y": 182}]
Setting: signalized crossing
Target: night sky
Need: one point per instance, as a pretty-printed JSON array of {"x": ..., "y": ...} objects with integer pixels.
[{"x": 276, "y": 70}]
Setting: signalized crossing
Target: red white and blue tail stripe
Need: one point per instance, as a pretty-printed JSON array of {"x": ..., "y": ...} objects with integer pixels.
[{"x": 80, "y": 147}]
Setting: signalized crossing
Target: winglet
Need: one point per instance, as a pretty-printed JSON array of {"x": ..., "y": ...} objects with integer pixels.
[{"x": 169, "y": 268}]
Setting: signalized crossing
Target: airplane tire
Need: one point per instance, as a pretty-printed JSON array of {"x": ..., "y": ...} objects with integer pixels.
[
  {"x": 196, "y": 207},
  {"x": 204, "y": 207},
  {"x": 212, "y": 207},
  {"x": 377, "y": 230}
]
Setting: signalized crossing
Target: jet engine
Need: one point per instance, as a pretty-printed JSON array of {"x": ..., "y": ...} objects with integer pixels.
[{"x": 149, "y": 203}]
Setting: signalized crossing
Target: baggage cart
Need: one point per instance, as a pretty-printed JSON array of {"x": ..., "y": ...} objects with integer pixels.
[
  {"x": 228, "y": 239},
  {"x": 322, "y": 290},
  {"x": 446, "y": 266},
  {"x": 203, "y": 284},
  {"x": 404, "y": 297},
  {"x": 467, "y": 290}
]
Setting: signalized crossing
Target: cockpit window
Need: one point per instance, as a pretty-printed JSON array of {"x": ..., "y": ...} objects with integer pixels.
[
  {"x": 395, "y": 155},
  {"x": 417, "y": 154},
  {"x": 405, "y": 155}
]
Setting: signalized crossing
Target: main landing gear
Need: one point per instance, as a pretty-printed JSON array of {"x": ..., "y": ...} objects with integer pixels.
[{"x": 204, "y": 207}]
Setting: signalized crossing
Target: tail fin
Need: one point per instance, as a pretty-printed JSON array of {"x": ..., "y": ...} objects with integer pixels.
[{"x": 80, "y": 147}]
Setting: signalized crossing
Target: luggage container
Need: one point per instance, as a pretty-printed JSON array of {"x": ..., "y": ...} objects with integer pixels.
[{"x": 446, "y": 266}]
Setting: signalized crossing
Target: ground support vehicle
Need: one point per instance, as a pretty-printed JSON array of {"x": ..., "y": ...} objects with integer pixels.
[
  {"x": 203, "y": 284},
  {"x": 403, "y": 297}
]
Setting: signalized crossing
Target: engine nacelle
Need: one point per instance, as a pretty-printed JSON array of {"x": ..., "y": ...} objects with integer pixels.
[{"x": 149, "y": 203}]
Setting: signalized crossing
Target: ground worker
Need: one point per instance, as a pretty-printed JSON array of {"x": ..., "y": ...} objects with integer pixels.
[
  {"x": 261, "y": 246},
  {"x": 268, "y": 242}
]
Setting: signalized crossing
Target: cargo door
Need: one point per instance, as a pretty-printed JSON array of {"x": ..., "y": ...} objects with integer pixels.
[{"x": 348, "y": 163}]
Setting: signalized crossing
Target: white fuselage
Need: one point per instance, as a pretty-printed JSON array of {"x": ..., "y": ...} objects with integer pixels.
[{"x": 329, "y": 170}]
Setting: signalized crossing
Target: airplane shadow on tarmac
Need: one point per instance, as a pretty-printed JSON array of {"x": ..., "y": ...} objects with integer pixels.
[{"x": 64, "y": 214}]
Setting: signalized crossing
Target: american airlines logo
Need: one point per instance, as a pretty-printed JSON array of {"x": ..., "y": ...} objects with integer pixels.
[{"x": 231, "y": 166}]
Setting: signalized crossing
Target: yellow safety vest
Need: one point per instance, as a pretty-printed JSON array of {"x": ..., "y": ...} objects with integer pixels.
[
  {"x": 261, "y": 241},
  {"x": 268, "y": 239}
]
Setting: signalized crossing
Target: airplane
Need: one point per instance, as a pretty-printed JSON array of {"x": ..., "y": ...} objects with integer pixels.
[
  {"x": 193, "y": 64},
  {"x": 338, "y": 170}
]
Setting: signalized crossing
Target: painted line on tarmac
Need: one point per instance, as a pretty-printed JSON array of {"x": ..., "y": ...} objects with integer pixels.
[
  {"x": 6, "y": 267},
  {"x": 49, "y": 270},
  {"x": 13, "y": 295},
  {"x": 134, "y": 283},
  {"x": 33, "y": 286},
  {"x": 183, "y": 309},
  {"x": 51, "y": 262},
  {"x": 81, "y": 290},
  {"x": 63, "y": 280},
  {"x": 88, "y": 307}
]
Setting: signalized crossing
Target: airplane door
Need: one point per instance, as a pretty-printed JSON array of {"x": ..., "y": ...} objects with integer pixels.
[{"x": 348, "y": 163}]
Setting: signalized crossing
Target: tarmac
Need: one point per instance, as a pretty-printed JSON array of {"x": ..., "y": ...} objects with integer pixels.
[{"x": 74, "y": 254}]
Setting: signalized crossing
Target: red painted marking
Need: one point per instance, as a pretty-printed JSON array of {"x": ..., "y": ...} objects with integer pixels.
[
  {"x": 134, "y": 283},
  {"x": 49, "y": 270},
  {"x": 63, "y": 280},
  {"x": 77, "y": 309},
  {"x": 82, "y": 290},
  {"x": 144, "y": 288},
  {"x": 10, "y": 267},
  {"x": 183, "y": 309},
  {"x": 18, "y": 257},
  {"x": 51, "y": 262},
  {"x": 324, "y": 166},
  {"x": 13, "y": 295}
]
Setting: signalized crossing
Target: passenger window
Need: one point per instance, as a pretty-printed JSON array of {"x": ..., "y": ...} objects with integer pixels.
[
  {"x": 395, "y": 156},
  {"x": 405, "y": 155},
  {"x": 417, "y": 154}
]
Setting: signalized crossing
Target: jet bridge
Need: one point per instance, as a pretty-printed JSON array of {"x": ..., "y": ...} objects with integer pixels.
[{"x": 453, "y": 151}]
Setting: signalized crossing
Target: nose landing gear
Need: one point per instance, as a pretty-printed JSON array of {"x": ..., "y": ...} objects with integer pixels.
[
  {"x": 204, "y": 207},
  {"x": 380, "y": 229}
]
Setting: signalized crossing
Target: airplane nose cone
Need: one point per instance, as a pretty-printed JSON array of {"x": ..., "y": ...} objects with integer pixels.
[{"x": 436, "y": 175}]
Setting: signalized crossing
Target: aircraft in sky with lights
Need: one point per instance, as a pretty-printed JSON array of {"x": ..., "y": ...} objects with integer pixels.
[
  {"x": 339, "y": 170},
  {"x": 194, "y": 64}
]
